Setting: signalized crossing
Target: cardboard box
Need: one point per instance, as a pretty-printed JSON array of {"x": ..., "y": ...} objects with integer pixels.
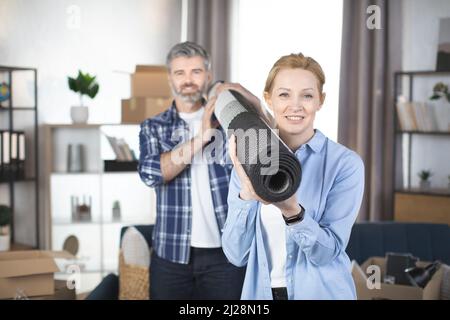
[
  {"x": 29, "y": 271},
  {"x": 62, "y": 292},
  {"x": 136, "y": 110},
  {"x": 150, "y": 81},
  {"x": 393, "y": 291}
]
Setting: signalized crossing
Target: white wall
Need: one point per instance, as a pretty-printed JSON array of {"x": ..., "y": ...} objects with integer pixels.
[
  {"x": 421, "y": 31},
  {"x": 420, "y": 41},
  {"x": 113, "y": 35},
  {"x": 102, "y": 37},
  {"x": 265, "y": 30}
]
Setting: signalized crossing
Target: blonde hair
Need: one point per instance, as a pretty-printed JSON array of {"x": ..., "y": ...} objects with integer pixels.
[{"x": 295, "y": 61}]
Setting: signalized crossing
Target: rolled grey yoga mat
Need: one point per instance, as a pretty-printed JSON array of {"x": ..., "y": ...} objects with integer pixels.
[{"x": 271, "y": 166}]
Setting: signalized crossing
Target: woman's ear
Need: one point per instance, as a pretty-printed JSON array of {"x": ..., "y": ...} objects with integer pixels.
[
  {"x": 322, "y": 99},
  {"x": 268, "y": 100}
]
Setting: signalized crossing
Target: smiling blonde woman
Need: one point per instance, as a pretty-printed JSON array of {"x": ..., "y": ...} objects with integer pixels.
[{"x": 295, "y": 249}]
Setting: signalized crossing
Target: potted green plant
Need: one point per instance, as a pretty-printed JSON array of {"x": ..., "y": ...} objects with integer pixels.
[
  {"x": 5, "y": 222},
  {"x": 441, "y": 104},
  {"x": 440, "y": 90},
  {"x": 84, "y": 85},
  {"x": 425, "y": 176}
]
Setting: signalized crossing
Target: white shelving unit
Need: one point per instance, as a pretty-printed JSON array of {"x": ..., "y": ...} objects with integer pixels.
[{"x": 98, "y": 238}]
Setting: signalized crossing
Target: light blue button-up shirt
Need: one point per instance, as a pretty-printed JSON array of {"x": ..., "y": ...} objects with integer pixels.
[{"x": 317, "y": 266}]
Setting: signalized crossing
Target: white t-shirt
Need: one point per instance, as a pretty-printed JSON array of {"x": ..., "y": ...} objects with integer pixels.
[
  {"x": 205, "y": 231},
  {"x": 274, "y": 236}
]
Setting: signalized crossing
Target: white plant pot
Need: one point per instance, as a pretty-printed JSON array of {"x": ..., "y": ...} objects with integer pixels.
[
  {"x": 425, "y": 184},
  {"x": 5, "y": 242},
  {"x": 79, "y": 115}
]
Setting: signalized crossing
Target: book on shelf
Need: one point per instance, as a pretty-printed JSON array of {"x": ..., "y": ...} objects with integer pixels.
[
  {"x": 121, "y": 149},
  {"x": 403, "y": 116},
  {"x": 416, "y": 116},
  {"x": 124, "y": 147},
  {"x": 429, "y": 117}
]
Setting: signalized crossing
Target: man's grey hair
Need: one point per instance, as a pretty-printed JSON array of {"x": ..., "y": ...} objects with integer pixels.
[{"x": 188, "y": 49}]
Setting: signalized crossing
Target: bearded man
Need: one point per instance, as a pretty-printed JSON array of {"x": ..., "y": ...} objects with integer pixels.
[{"x": 187, "y": 259}]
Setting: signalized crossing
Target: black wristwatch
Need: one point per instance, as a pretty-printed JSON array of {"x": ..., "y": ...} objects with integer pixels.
[{"x": 294, "y": 219}]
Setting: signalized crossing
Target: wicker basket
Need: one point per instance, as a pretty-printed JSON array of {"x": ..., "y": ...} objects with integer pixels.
[{"x": 134, "y": 282}]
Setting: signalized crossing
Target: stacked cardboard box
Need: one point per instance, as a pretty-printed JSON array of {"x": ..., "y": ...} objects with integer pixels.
[
  {"x": 29, "y": 273},
  {"x": 150, "y": 94}
]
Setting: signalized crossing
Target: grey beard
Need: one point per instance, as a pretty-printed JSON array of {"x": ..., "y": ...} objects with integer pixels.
[{"x": 190, "y": 98}]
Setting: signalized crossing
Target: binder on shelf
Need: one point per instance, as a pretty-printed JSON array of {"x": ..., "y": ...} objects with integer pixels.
[
  {"x": 23, "y": 80},
  {"x": 6, "y": 163},
  {"x": 21, "y": 156},
  {"x": 6, "y": 155},
  {"x": 1, "y": 155},
  {"x": 14, "y": 154}
]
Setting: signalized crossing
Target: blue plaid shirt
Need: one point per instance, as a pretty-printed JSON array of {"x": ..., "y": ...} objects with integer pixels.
[{"x": 172, "y": 232}]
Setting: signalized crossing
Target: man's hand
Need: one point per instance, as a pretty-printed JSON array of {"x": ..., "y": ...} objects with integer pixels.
[
  {"x": 254, "y": 100},
  {"x": 208, "y": 124},
  {"x": 175, "y": 161}
]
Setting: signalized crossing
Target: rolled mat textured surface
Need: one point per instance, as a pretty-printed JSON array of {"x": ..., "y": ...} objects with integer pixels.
[{"x": 271, "y": 166}]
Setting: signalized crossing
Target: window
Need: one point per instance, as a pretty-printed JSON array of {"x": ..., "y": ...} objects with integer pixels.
[{"x": 264, "y": 30}]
